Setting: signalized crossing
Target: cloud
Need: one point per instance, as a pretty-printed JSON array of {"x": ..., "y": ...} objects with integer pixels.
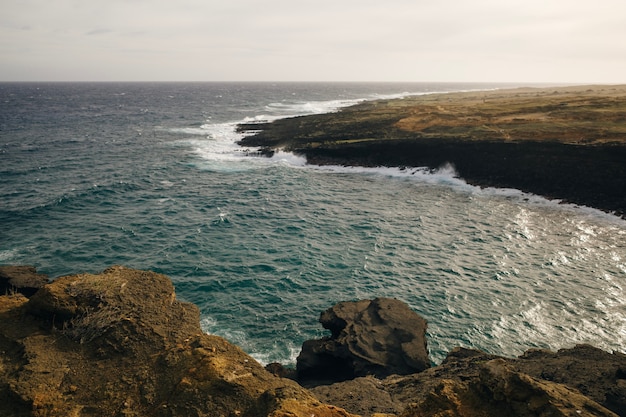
[
  {"x": 455, "y": 40},
  {"x": 98, "y": 32}
]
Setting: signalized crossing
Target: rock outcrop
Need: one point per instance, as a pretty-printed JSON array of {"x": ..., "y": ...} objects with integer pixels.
[
  {"x": 377, "y": 353},
  {"x": 500, "y": 391},
  {"x": 120, "y": 344},
  {"x": 377, "y": 337},
  {"x": 21, "y": 279},
  {"x": 597, "y": 374},
  {"x": 473, "y": 383}
]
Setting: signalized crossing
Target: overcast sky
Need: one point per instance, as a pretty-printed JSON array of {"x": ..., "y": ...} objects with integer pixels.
[{"x": 570, "y": 41}]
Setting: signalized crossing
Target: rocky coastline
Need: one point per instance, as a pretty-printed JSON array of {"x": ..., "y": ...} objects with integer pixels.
[
  {"x": 119, "y": 343},
  {"x": 566, "y": 143}
]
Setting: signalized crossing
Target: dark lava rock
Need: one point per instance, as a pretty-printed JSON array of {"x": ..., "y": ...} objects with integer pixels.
[
  {"x": 281, "y": 371},
  {"x": 21, "y": 279},
  {"x": 377, "y": 337}
]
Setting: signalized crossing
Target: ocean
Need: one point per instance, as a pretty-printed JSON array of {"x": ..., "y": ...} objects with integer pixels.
[{"x": 149, "y": 176}]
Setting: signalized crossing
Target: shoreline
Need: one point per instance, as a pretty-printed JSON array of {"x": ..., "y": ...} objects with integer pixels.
[
  {"x": 565, "y": 143},
  {"x": 120, "y": 343}
]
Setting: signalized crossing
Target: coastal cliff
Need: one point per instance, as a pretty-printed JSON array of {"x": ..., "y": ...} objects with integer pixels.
[
  {"x": 119, "y": 343},
  {"x": 566, "y": 143}
]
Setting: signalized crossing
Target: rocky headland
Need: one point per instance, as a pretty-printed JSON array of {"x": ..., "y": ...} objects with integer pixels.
[
  {"x": 119, "y": 343},
  {"x": 566, "y": 143}
]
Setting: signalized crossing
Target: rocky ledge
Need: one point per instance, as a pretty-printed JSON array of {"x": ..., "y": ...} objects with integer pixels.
[
  {"x": 565, "y": 143},
  {"x": 119, "y": 343}
]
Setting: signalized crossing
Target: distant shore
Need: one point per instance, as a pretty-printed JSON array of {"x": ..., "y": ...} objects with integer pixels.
[{"x": 565, "y": 143}]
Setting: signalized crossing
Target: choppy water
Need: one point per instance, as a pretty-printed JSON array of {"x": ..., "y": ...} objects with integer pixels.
[{"x": 148, "y": 176}]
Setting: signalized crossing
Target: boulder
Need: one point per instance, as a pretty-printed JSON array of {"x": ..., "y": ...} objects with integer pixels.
[
  {"x": 22, "y": 279},
  {"x": 377, "y": 337}
]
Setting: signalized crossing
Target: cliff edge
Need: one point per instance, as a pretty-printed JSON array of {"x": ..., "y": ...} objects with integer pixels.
[{"x": 119, "y": 343}]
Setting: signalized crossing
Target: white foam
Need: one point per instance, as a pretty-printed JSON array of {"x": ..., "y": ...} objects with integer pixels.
[
  {"x": 219, "y": 145},
  {"x": 7, "y": 255},
  {"x": 288, "y": 358},
  {"x": 288, "y": 158},
  {"x": 538, "y": 200},
  {"x": 445, "y": 175},
  {"x": 282, "y": 350},
  {"x": 287, "y": 109},
  {"x": 220, "y": 139},
  {"x": 200, "y": 131}
]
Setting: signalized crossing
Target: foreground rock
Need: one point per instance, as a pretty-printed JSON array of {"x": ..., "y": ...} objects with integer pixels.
[
  {"x": 472, "y": 383},
  {"x": 377, "y": 337},
  {"x": 377, "y": 353},
  {"x": 120, "y": 344},
  {"x": 565, "y": 143}
]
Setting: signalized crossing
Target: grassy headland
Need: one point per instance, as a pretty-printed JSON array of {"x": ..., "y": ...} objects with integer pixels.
[{"x": 567, "y": 143}]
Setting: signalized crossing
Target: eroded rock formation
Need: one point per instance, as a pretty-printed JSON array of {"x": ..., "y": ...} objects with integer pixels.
[
  {"x": 120, "y": 344},
  {"x": 571, "y": 382},
  {"x": 376, "y": 337},
  {"x": 376, "y": 353}
]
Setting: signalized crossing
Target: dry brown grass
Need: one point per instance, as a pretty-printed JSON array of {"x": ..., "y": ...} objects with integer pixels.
[{"x": 579, "y": 115}]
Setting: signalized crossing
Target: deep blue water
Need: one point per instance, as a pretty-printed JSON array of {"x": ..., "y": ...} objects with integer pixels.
[{"x": 149, "y": 176}]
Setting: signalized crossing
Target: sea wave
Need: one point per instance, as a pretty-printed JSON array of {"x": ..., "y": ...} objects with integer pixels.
[
  {"x": 220, "y": 143},
  {"x": 301, "y": 108}
]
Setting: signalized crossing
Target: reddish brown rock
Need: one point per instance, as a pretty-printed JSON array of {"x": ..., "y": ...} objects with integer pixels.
[{"x": 119, "y": 343}]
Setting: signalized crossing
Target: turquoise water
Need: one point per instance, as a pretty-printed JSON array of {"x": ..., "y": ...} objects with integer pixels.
[{"x": 149, "y": 176}]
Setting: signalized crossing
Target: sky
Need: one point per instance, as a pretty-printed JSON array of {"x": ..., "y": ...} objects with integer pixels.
[{"x": 560, "y": 41}]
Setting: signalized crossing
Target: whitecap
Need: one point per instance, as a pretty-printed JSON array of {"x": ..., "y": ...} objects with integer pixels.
[
  {"x": 286, "y": 354},
  {"x": 288, "y": 158},
  {"x": 445, "y": 175},
  {"x": 289, "y": 109},
  {"x": 7, "y": 255},
  {"x": 200, "y": 131},
  {"x": 220, "y": 143}
]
